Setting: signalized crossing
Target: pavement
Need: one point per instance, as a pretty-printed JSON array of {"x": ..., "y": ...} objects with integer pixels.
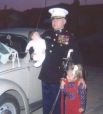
[{"x": 94, "y": 80}]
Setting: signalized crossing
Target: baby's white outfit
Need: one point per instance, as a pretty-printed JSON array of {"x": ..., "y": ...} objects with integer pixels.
[{"x": 39, "y": 47}]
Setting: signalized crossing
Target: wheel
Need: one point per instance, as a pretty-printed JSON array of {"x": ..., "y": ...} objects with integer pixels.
[{"x": 9, "y": 105}]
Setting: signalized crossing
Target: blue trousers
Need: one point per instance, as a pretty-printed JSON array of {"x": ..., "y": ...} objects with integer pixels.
[{"x": 50, "y": 92}]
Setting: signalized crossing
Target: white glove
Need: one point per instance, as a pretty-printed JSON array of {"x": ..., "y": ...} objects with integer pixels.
[{"x": 69, "y": 53}]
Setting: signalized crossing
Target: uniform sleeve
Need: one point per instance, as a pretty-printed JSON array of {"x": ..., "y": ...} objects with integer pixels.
[
  {"x": 83, "y": 97},
  {"x": 45, "y": 34}
]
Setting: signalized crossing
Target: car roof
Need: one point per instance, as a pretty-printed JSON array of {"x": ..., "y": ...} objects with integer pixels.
[{"x": 20, "y": 31}]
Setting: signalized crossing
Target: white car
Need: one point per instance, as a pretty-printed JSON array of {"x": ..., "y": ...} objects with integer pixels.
[{"x": 20, "y": 88}]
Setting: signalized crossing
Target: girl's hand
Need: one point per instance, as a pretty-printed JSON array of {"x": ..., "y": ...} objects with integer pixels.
[
  {"x": 81, "y": 81},
  {"x": 81, "y": 110},
  {"x": 62, "y": 83}
]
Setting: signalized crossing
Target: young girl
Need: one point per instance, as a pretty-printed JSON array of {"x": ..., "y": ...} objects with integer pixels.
[
  {"x": 38, "y": 46},
  {"x": 73, "y": 97}
]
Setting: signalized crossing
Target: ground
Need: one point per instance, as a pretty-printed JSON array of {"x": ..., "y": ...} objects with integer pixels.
[
  {"x": 94, "y": 91},
  {"x": 94, "y": 80}
]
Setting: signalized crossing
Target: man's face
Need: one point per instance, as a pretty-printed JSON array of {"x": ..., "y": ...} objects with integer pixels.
[{"x": 58, "y": 24}]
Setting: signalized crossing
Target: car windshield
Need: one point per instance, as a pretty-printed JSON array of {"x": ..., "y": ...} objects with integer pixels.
[{"x": 13, "y": 41}]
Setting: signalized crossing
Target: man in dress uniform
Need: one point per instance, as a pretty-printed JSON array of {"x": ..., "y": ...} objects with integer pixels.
[{"x": 58, "y": 42}]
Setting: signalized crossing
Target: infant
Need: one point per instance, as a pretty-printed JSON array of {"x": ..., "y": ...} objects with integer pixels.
[{"x": 39, "y": 47}]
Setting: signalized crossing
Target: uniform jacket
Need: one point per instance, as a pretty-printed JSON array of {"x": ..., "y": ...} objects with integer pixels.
[{"x": 57, "y": 49}]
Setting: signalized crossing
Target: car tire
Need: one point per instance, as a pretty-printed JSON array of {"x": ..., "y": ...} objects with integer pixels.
[{"x": 9, "y": 105}]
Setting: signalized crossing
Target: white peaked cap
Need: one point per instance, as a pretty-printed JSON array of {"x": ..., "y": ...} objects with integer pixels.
[{"x": 58, "y": 12}]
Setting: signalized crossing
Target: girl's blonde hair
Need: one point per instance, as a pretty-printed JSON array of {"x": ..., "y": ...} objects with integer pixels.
[{"x": 78, "y": 72}]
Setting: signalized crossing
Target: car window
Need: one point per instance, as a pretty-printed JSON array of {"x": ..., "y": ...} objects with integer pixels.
[
  {"x": 5, "y": 53},
  {"x": 3, "y": 50},
  {"x": 14, "y": 41}
]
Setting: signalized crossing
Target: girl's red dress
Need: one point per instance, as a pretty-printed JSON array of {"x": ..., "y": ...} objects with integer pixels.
[{"x": 72, "y": 98}]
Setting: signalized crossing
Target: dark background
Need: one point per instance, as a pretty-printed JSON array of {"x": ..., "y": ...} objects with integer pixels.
[{"x": 85, "y": 21}]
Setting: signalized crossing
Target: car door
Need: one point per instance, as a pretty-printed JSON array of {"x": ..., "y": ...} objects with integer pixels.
[
  {"x": 30, "y": 73},
  {"x": 22, "y": 71},
  {"x": 13, "y": 69}
]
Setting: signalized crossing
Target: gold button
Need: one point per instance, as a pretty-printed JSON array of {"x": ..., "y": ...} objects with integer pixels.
[
  {"x": 54, "y": 39},
  {"x": 56, "y": 34},
  {"x": 52, "y": 45},
  {"x": 66, "y": 43},
  {"x": 50, "y": 51}
]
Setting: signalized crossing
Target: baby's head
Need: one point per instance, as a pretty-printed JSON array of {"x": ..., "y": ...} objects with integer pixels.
[
  {"x": 34, "y": 35},
  {"x": 74, "y": 72}
]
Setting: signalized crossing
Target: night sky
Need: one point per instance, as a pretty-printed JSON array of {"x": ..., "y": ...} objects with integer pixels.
[{"x": 28, "y": 4}]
